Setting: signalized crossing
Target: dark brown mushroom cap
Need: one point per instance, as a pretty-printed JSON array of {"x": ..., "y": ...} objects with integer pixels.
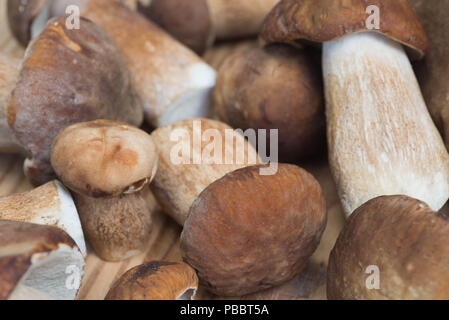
[
  {"x": 19, "y": 242},
  {"x": 327, "y": 20},
  {"x": 247, "y": 232},
  {"x": 156, "y": 281},
  {"x": 188, "y": 21},
  {"x": 276, "y": 87},
  {"x": 68, "y": 76},
  {"x": 104, "y": 158},
  {"x": 21, "y": 15},
  {"x": 401, "y": 236}
]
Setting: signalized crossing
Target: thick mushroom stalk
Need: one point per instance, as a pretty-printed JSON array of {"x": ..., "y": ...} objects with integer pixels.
[
  {"x": 38, "y": 263},
  {"x": 382, "y": 140},
  {"x": 108, "y": 164},
  {"x": 51, "y": 205}
]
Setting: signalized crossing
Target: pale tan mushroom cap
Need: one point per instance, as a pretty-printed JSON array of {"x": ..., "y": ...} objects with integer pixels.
[{"x": 104, "y": 158}]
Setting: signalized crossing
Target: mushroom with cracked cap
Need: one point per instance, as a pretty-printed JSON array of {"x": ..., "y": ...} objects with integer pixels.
[
  {"x": 38, "y": 262},
  {"x": 381, "y": 138},
  {"x": 107, "y": 164},
  {"x": 156, "y": 280}
]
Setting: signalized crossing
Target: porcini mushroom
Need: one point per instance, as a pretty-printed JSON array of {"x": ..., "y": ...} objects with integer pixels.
[
  {"x": 156, "y": 281},
  {"x": 107, "y": 164},
  {"x": 198, "y": 23},
  {"x": 38, "y": 262},
  {"x": 192, "y": 155},
  {"x": 172, "y": 82},
  {"x": 50, "y": 204},
  {"x": 433, "y": 71},
  {"x": 247, "y": 232},
  {"x": 381, "y": 138},
  {"x": 8, "y": 76},
  {"x": 392, "y": 247},
  {"x": 67, "y": 76},
  {"x": 276, "y": 87}
]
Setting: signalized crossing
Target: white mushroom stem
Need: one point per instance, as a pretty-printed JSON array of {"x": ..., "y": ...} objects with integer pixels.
[
  {"x": 382, "y": 140},
  {"x": 51, "y": 205}
]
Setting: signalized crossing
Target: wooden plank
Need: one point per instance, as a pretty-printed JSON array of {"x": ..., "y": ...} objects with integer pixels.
[{"x": 164, "y": 243}]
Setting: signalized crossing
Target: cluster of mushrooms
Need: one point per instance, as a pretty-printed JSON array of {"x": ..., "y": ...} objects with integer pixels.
[{"x": 76, "y": 104}]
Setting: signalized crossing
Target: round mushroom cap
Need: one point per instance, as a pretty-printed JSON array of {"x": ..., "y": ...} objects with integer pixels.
[
  {"x": 276, "y": 87},
  {"x": 156, "y": 281},
  {"x": 328, "y": 20},
  {"x": 34, "y": 261},
  {"x": 104, "y": 158},
  {"x": 392, "y": 247},
  {"x": 248, "y": 232},
  {"x": 188, "y": 21}
]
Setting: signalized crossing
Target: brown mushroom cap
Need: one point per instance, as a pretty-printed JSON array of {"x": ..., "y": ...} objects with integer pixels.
[
  {"x": 21, "y": 15},
  {"x": 104, "y": 158},
  {"x": 327, "y": 20},
  {"x": 187, "y": 20},
  {"x": 36, "y": 257},
  {"x": 68, "y": 76},
  {"x": 276, "y": 87},
  {"x": 156, "y": 281},
  {"x": 401, "y": 236},
  {"x": 247, "y": 232}
]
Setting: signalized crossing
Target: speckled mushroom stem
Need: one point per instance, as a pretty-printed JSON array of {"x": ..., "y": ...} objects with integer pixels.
[
  {"x": 8, "y": 76},
  {"x": 382, "y": 140}
]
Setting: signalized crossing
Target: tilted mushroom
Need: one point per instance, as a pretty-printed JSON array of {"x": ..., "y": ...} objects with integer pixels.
[
  {"x": 198, "y": 23},
  {"x": 67, "y": 76},
  {"x": 248, "y": 232},
  {"x": 8, "y": 76},
  {"x": 192, "y": 155},
  {"x": 172, "y": 82},
  {"x": 381, "y": 138},
  {"x": 156, "y": 281},
  {"x": 38, "y": 262},
  {"x": 433, "y": 72},
  {"x": 276, "y": 87},
  {"x": 50, "y": 204},
  {"x": 392, "y": 247},
  {"x": 107, "y": 164}
]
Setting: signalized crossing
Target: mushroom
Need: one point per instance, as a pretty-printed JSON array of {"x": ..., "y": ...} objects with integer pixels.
[
  {"x": 381, "y": 138},
  {"x": 156, "y": 281},
  {"x": 172, "y": 82},
  {"x": 433, "y": 72},
  {"x": 392, "y": 247},
  {"x": 8, "y": 75},
  {"x": 198, "y": 23},
  {"x": 38, "y": 262},
  {"x": 276, "y": 87},
  {"x": 107, "y": 164},
  {"x": 50, "y": 204},
  {"x": 207, "y": 150},
  {"x": 67, "y": 76},
  {"x": 247, "y": 232}
]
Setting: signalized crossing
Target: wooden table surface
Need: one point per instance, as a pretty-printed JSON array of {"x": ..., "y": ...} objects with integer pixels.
[{"x": 164, "y": 244}]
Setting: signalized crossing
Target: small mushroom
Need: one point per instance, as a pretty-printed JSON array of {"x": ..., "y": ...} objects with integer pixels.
[
  {"x": 107, "y": 164},
  {"x": 433, "y": 71},
  {"x": 381, "y": 138},
  {"x": 392, "y": 247},
  {"x": 8, "y": 76},
  {"x": 156, "y": 281},
  {"x": 207, "y": 150},
  {"x": 38, "y": 262},
  {"x": 50, "y": 204},
  {"x": 171, "y": 81},
  {"x": 276, "y": 87},
  {"x": 248, "y": 232},
  {"x": 198, "y": 23},
  {"x": 67, "y": 76}
]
